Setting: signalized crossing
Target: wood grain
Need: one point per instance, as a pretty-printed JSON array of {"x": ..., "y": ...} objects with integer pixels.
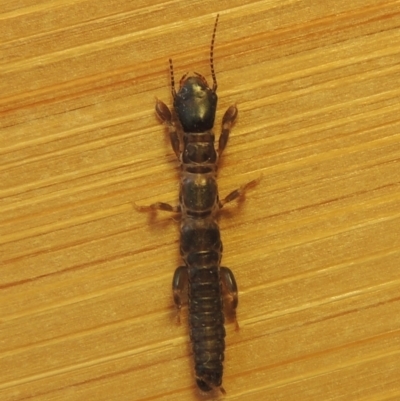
[{"x": 86, "y": 310}]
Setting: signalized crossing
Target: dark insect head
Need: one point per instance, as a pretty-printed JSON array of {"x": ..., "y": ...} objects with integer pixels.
[{"x": 195, "y": 103}]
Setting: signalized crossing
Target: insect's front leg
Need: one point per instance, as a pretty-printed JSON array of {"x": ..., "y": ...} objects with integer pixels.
[
  {"x": 179, "y": 282},
  {"x": 227, "y": 121},
  {"x": 166, "y": 207},
  {"x": 230, "y": 290},
  {"x": 164, "y": 114}
]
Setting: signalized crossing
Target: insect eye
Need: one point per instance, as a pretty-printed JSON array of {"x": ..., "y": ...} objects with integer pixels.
[{"x": 184, "y": 93}]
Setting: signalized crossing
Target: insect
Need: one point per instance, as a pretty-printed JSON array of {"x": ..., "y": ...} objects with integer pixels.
[{"x": 209, "y": 284}]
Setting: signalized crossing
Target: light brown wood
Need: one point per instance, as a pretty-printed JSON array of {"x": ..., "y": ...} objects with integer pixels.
[{"x": 86, "y": 309}]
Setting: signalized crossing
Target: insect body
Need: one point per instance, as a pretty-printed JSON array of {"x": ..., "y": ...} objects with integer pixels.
[{"x": 192, "y": 140}]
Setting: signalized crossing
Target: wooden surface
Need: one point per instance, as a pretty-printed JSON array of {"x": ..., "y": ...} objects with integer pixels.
[{"x": 86, "y": 311}]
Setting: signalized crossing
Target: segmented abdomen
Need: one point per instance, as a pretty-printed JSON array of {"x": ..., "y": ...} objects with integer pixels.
[{"x": 201, "y": 249}]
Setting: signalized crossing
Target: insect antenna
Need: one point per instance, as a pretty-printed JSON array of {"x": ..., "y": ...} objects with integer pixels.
[
  {"x": 212, "y": 55},
  {"x": 171, "y": 71}
]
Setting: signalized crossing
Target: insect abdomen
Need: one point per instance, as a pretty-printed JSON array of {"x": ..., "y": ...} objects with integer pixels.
[
  {"x": 207, "y": 331},
  {"x": 201, "y": 249}
]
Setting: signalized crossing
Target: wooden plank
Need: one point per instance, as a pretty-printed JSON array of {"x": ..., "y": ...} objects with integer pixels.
[{"x": 85, "y": 299}]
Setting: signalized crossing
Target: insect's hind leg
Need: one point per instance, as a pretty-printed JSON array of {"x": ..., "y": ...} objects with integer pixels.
[
  {"x": 179, "y": 282},
  {"x": 230, "y": 290}
]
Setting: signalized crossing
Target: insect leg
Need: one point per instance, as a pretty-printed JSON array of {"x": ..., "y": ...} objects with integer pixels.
[
  {"x": 229, "y": 288},
  {"x": 238, "y": 192},
  {"x": 227, "y": 122},
  {"x": 164, "y": 114},
  {"x": 179, "y": 282},
  {"x": 159, "y": 206}
]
